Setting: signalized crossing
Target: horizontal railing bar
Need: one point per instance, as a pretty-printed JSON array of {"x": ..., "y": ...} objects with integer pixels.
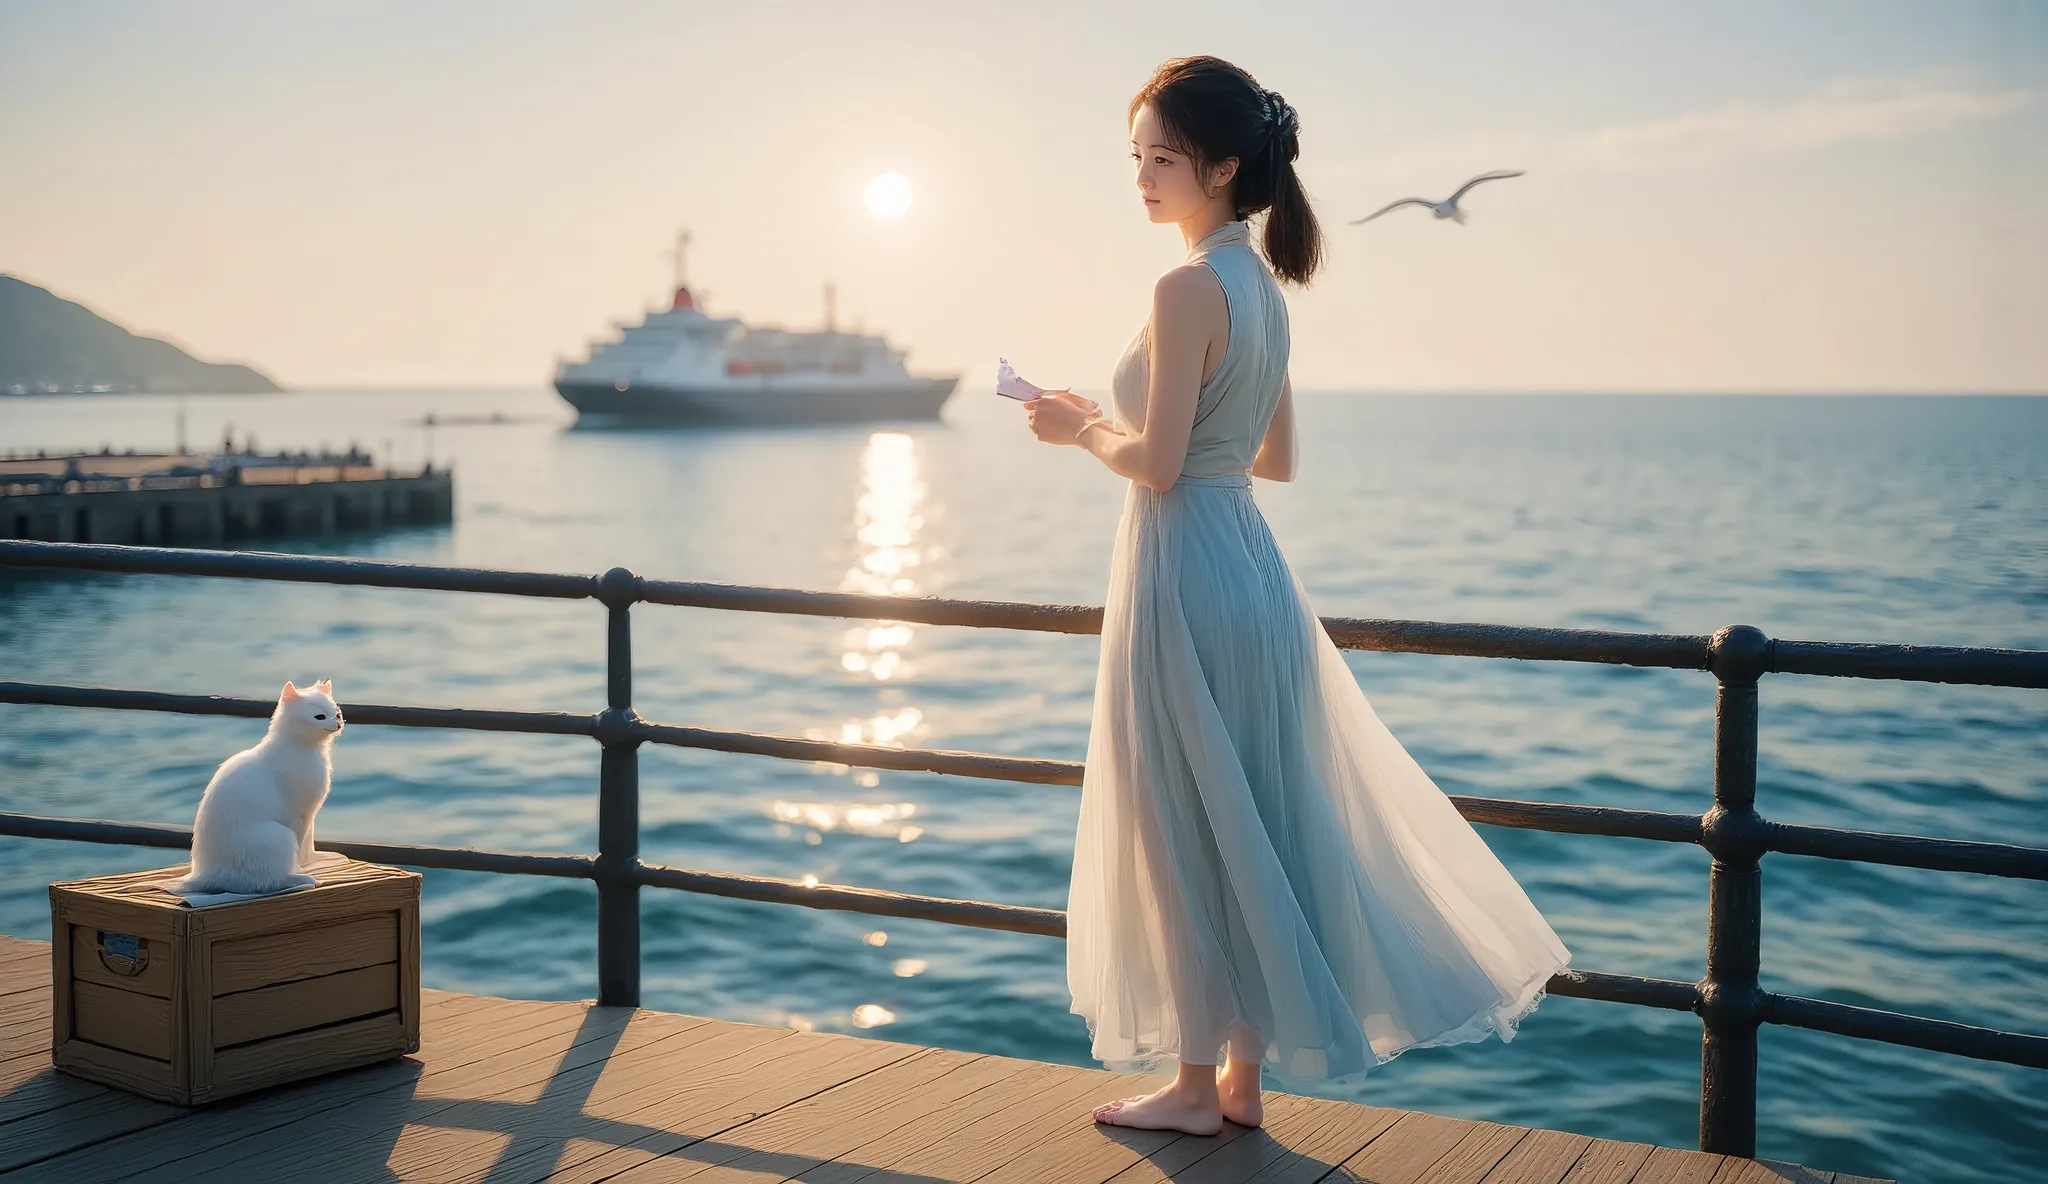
[
  {"x": 1793, "y": 1010},
  {"x": 1997, "y": 859},
  {"x": 302, "y": 569},
  {"x": 977, "y": 914},
  {"x": 158, "y": 834},
  {"x": 1667, "y": 993},
  {"x": 1957, "y": 664},
  {"x": 867, "y": 756},
  {"x": 472, "y": 719},
  {"x": 922, "y": 610},
  {"x": 1891, "y": 1027},
  {"x": 1532, "y": 643},
  {"x": 1944, "y": 855},
  {"x": 1573, "y": 819},
  {"x": 1913, "y": 663}
]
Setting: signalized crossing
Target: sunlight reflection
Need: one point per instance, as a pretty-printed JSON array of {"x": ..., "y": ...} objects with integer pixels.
[
  {"x": 884, "y": 820},
  {"x": 872, "y": 1015},
  {"x": 886, "y": 525}
]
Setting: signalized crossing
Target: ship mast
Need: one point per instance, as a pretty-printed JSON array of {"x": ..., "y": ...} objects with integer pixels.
[
  {"x": 678, "y": 253},
  {"x": 831, "y": 307}
]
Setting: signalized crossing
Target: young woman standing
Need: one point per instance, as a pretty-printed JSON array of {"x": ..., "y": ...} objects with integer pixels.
[{"x": 1262, "y": 875}]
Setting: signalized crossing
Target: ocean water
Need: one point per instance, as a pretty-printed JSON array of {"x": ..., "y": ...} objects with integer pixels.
[{"x": 1842, "y": 518}]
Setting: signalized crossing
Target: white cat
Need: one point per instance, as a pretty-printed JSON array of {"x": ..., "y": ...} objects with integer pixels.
[{"x": 254, "y": 832}]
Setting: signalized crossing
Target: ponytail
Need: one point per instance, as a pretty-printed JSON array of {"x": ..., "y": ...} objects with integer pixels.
[{"x": 1293, "y": 239}]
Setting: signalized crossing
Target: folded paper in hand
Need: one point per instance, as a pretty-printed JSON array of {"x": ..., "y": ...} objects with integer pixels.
[{"x": 1010, "y": 386}]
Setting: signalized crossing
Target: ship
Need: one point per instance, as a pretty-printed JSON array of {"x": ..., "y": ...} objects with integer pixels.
[{"x": 681, "y": 366}]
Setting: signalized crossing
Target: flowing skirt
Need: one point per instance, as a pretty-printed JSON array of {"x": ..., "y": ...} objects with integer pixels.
[{"x": 1254, "y": 844}]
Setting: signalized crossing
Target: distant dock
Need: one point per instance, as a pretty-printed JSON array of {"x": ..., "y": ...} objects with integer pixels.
[{"x": 172, "y": 499}]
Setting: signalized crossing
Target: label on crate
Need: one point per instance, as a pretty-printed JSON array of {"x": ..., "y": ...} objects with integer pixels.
[{"x": 123, "y": 953}]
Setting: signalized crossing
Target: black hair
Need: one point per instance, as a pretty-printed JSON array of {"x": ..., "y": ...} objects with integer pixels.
[{"x": 1213, "y": 111}]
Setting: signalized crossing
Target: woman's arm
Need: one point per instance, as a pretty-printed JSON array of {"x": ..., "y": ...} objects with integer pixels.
[
  {"x": 1188, "y": 313},
  {"x": 1275, "y": 461}
]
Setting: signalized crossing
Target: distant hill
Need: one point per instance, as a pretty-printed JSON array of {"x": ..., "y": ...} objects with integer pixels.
[{"x": 48, "y": 339}]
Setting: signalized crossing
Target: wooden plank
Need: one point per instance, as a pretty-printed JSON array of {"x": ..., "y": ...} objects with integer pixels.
[
  {"x": 1406, "y": 1152},
  {"x": 1542, "y": 1158},
  {"x": 1084, "y": 1149},
  {"x": 24, "y": 1006},
  {"x": 60, "y": 1006},
  {"x": 13, "y": 949},
  {"x": 1066, "y": 1143},
  {"x": 88, "y": 966},
  {"x": 645, "y": 1114},
  {"x": 115, "y": 914},
  {"x": 794, "y": 1139},
  {"x": 1608, "y": 1162},
  {"x": 1302, "y": 1141},
  {"x": 24, "y": 965},
  {"x": 997, "y": 1105},
  {"x": 31, "y": 1085},
  {"x": 308, "y": 1003},
  {"x": 196, "y": 1055},
  {"x": 1768, "y": 1171},
  {"x": 28, "y": 1083},
  {"x": 357, "y": 1138},
  {"x": 331, "y": 902},
  {"x": 409, "y": 968},
  {"x": 1036, "y": 1103},
  {"x": 140, "y": 1024},
  {"x": 1175, "y": 1161},
  {"x": 1669, "y": 1165},
  {"x": 252, "y": 962},
  {"x": 464, "y": 1034},
  {"x": 349, "y": 1045},
  {"x": 83, "y": 1122},
  {"x": 1475, "y": 1155}
]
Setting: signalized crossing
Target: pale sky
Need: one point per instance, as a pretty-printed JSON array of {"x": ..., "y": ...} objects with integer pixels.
[{"x": 1829, "y": 195}]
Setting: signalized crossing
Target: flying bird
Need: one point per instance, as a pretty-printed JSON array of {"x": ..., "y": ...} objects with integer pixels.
[{"x": 1448, "y": 207}]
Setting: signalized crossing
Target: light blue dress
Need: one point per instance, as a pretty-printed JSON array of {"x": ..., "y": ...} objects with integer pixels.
[{"x": 1254, "y": 845}]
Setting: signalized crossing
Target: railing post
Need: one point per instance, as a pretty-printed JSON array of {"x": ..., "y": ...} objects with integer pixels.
[
  {"x": 1731, "y": 1001},
  {"x": 618, "y": 802}
]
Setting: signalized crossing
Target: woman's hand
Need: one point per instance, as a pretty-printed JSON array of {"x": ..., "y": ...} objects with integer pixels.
[{"x": 1057, "y": 417}]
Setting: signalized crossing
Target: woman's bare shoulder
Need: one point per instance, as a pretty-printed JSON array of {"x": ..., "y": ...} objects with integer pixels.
[{"x": 1189, "y": 292}]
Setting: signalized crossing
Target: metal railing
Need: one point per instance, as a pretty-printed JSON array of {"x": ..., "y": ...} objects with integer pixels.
[{"x": 1729, "y": 999}]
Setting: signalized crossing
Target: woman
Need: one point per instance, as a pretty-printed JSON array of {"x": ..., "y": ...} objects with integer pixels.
[{"x": 1261, "y": 870}]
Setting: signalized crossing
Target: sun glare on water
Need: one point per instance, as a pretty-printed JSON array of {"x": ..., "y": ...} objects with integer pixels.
[{"x": 888, "y": 196}]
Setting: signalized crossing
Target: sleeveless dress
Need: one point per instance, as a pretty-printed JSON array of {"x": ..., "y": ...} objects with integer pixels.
[{"x": 1254, "y": 844}]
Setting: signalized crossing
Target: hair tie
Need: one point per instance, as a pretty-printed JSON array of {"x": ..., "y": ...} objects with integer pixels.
[{"x": 1278, "y": 113}]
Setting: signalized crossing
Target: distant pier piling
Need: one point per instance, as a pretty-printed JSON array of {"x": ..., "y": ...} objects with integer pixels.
[{"x": 212, "y": 501}]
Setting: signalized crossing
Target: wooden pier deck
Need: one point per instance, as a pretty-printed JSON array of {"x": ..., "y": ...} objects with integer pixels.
[{"x": 506, "y": 1091}]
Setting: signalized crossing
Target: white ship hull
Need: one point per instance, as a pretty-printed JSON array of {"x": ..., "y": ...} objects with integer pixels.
[{"x": 601, "y": 404}]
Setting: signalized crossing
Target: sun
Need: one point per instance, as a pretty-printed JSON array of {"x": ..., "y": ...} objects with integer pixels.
[{"x": 888, "y": 196}]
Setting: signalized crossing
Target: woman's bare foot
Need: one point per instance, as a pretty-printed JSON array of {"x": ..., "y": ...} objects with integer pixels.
[
  {"x": 1189, "y": 1105},
  {"x": 1237, "y": 1092}
]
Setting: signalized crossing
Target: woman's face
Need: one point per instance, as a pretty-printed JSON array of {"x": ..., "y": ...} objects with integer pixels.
[{"x": 1166, "y": 178}]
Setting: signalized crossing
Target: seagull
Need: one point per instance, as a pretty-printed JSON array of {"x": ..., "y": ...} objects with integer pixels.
[{"x": 1448, "y": 207}]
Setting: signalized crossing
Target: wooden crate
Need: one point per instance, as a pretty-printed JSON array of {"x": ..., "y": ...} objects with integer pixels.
[{"x": 192, "y": 1005}]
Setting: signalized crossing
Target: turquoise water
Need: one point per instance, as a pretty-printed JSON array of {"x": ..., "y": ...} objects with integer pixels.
[{"x": 1854, "y": 519}]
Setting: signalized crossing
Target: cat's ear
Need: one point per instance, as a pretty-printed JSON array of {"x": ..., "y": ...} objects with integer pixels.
[
  {"x": 325, "y": 684},
  {"x": 290, "y": 692}
]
